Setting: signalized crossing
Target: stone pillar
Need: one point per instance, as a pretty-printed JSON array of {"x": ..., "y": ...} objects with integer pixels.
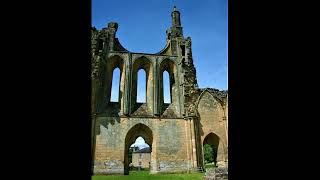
[
  {"x": 193, "y": 143},
  {"x": 225, "y": 146},
  {"x": 122, "y": 89},
  {"x": 127, "y": 86},
  {"x": 156, "y": 95},
  {"x": 188, "y": 140},
  {"x": 180, "y": 90},
  {"x": 221, "y": 155},
  {"x": 153, "y": 163},
  {"x": 224, "y": 120},
  {"x": 154, "y": 169},
  {"x": 199, "y": 145},
  {"x": 93, "y": 140}
]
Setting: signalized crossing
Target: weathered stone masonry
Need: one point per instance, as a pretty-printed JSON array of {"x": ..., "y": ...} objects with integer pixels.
[{"x": 176, "y": 131}]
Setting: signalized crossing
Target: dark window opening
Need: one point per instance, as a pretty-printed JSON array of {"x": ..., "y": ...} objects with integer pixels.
[
  {"x": 183, "y": 49},
  {"x": 100, "y": 44}
]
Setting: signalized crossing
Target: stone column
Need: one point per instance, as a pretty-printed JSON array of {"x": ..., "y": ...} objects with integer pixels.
[
  {"x": 193, "y": 143},
  {"x": 221, "y": 155},
  {"x": 127, "y": 86},
  {"x": 122, "y": 88},
  {"x": 93, "y": 140},
  {"x": 153, "y": 163},
  {"x": 179, "y": 89},
  {"x": 224, "y": 120},
  {"x": 154, "y": 169},
  {"x": 156, "y": 96},
  {"x": 188, "y": 144},
  {"x": 225, "y": 146},
  {"x": 198, "y": 142}
]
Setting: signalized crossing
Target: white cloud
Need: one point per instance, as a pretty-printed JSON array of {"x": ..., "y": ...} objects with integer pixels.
[{"x": 140, "y": 143}]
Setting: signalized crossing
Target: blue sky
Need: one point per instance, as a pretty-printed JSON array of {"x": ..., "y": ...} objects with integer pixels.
[{"x": 143, "y": 25}]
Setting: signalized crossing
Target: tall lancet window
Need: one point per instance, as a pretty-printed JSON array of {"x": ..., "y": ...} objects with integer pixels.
[
  {"x": 115, "y": 85},
  {"x": 166, "y": 87},
  {"x": 142, "y": 86}
]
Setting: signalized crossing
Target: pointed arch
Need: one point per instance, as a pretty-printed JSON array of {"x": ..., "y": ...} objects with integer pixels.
[
  {"x": 218, "y": 146},
  {"x": 171, "y": 67},
  {"x": 133, "y": 133},
  {"x": 111, "y": 64},
  {"x": 145, "y": 64},
  {"x": 213, "y": 134},
  {"x": 139, "y": 130},
  {"x": 211, "y": 94}
]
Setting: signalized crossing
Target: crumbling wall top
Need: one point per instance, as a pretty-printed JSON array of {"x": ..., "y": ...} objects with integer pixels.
[{"x": 220, "y": 94}]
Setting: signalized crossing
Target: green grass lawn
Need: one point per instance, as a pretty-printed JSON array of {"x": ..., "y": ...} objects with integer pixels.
[{"x": 144, "y": 175}]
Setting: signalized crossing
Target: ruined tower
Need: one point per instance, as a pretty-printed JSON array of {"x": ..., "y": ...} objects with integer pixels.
[{"x": 174, "y": 131}]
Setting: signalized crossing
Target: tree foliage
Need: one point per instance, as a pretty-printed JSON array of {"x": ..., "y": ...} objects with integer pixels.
[{"x": 208, "y": 153}]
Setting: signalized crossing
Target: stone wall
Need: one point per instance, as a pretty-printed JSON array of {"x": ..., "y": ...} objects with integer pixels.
[
  {"x": 212, "y": 120},
  {"x": 170, "y": 144}
]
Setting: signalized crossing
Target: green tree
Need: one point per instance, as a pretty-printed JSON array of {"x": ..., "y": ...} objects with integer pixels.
[{"x": 208, "y": 153}]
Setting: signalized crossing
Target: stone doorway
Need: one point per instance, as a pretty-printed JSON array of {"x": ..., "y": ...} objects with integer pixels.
[
  {"x": 139, "y": 130},
  {"x": 213, "y": 141}
]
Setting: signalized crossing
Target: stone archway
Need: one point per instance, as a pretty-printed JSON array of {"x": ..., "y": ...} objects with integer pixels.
[
  {"x": 145, "y": 64},
  {"x": 137, "y": 130},
  {"x": 217, "y": 145},
  {"x": 170, "y": 67}
]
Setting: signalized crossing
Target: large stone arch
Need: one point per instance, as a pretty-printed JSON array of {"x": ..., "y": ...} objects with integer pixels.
[
  {"x": 137, "y": 130},
  {"x": 212, "y": 120},
  {"x": 144, "y": 63},
  {"x": 210, "y": 111},
  {"x": 171, "y": 67},
  {"x": 111, "y": 64}
]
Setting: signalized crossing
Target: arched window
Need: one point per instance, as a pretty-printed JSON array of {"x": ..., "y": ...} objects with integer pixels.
[
  {"x": 142, "y": 86},
  {"x": 166, "y": 87},
  {"x": 115, "y": 85}
]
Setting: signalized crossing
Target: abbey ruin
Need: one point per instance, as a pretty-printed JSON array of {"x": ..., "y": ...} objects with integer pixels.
[{"x": 174, "y": 131}]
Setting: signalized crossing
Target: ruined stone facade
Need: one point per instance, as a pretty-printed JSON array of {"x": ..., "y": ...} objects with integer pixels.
[{"x": 175, "y": 132}]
